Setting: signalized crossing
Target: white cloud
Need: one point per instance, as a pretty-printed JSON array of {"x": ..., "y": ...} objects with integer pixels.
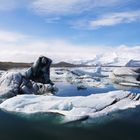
[
  {"x": 109, "y": 19},
  {"x": 61, "y": 50},
  {"x": 64, "y": 7},
  {"x": 57, "y": 49},
  {"x": 6, "y": 36},
  {"x": 18, "y": 47},
  {"x": 115, "y": 18},
  {"x": 57, "y": 7}
]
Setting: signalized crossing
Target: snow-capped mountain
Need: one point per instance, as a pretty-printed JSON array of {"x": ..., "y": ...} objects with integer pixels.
[{"x": 119, "y": 57}]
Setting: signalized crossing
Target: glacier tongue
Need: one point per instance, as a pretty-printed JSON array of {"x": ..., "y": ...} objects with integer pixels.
[{"x": 94, "y": 106}]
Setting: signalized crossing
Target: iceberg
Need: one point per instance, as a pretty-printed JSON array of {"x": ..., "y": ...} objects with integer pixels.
[
  {"x": 133, "y": 63},
  {"x": 87, "y": 108},
  {"x": 9, "y": 84},
  {"x": 35, "y": 80},
  {"x": 82, "y": 78},
  {"x": 125, "y": 76},
  {"x": 86, "y": 77},
  {"x": 96, "y": 72}
]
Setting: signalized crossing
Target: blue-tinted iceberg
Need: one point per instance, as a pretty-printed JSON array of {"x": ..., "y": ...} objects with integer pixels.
[{"x": 133, "y": 63}]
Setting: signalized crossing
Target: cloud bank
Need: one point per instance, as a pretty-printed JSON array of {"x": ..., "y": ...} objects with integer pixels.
[{"x": 57, "y": 49}]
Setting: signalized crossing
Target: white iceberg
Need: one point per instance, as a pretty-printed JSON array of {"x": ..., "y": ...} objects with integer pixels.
[
  {"x": 125, "y": 76},
  {"x": 94, "y": 106},
  {"x": 90, "y": 72},
  {"x": 86, "y": 77}
]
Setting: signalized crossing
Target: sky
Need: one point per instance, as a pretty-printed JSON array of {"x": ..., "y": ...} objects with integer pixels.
[{"x": 66, "y": 29}]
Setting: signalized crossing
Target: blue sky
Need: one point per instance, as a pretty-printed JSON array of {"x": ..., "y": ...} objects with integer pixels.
[{"x": 29, "y": 28}]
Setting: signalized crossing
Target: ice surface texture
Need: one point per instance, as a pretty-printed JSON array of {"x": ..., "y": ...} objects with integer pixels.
[
  {"x": 126, "y": 76},
  {"x": 94, "y": 106},
  {"x": 9, "y": 84}
]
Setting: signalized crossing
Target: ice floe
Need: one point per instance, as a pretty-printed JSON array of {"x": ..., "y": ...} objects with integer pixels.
[
  {"x": 81, "y": 77},
  {"x": 125, "y": 76},
  {"x": 133, "y": 63},
  {"x": 73, "y": 108}
]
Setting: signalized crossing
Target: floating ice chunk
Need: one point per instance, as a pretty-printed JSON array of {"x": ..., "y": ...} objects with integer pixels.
[
  {"x": 14, "y": 83},
  {"x": 124, "y": 71},
  {"x": 82, "y": 72},
  {"x": 133, "y": 63},
  {"x": 84, "y": 78},
  {"x": 9, "y": 84},
  {"x": 125, "y": 76},
  {"x": 74, "y": 108}
]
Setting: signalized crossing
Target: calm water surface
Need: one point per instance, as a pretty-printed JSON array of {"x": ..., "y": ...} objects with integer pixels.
[{"x": 14, "y": 127}]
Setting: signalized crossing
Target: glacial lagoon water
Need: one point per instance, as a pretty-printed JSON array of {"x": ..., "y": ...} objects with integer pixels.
[
  {"x": 13, "y": 127},
  {"x": 66, "y": 89},
  {"x": 46, "y": 126}
]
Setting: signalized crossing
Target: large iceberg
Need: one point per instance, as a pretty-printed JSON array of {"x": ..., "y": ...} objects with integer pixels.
[
  {"x": 35, "y": 80},
  {"x": 11, "y": 85},
  {"x": 91, "y": 108}
]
